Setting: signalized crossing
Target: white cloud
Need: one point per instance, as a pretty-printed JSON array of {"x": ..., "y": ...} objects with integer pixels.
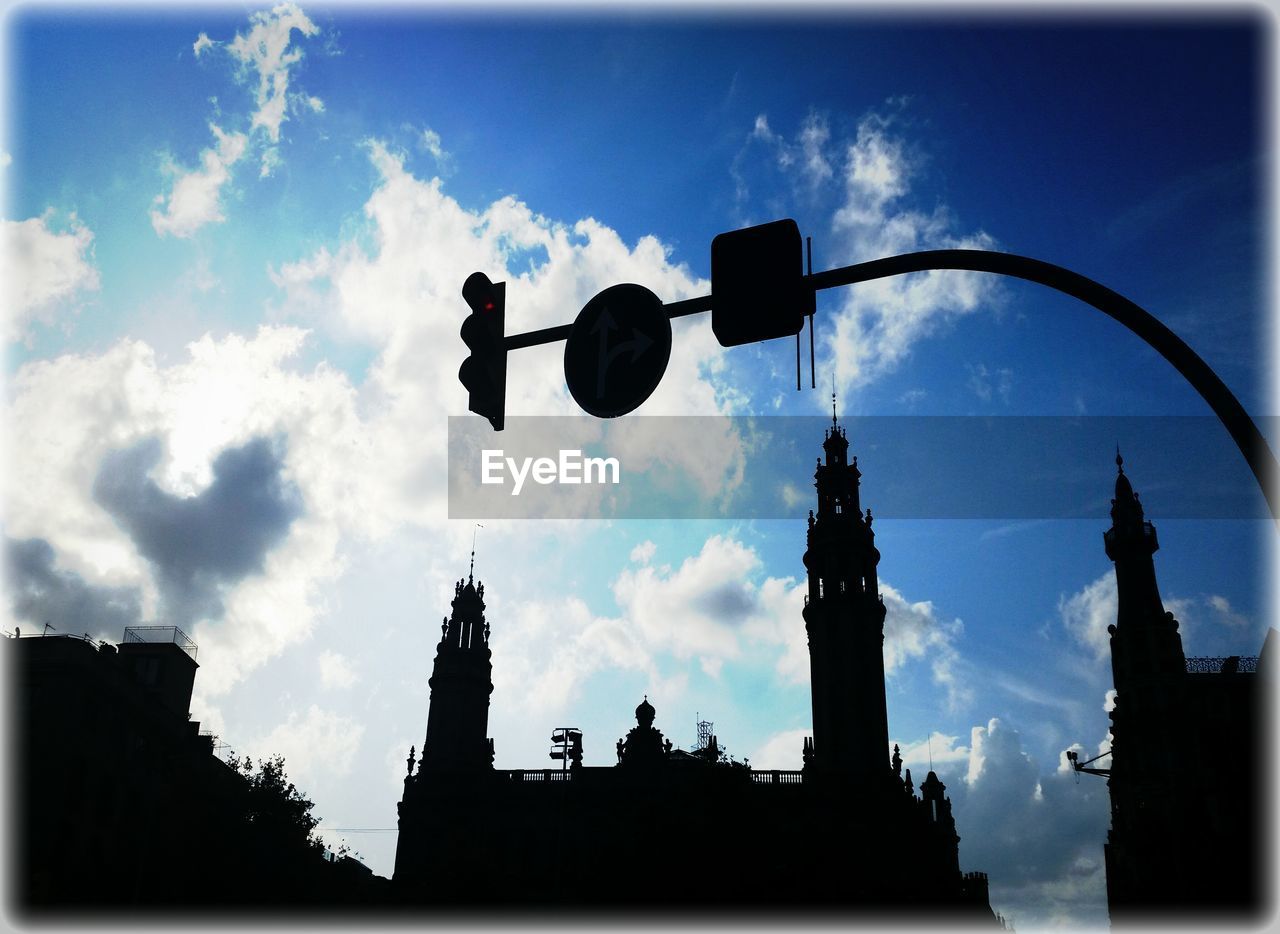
[
  {"x": 870, "y": 178},
  {"x": 707, "y": 610},
  {"x": 938, "y": 748},
  {"x": 696, "y": 610},
  {"x": 986, "y": 383},
  {"x": 320, "y": 743},
  {"x": 807, "y": 155},
  {"x": 67, "y": 414},
  {"x": 366, "y": 460},
  {"x": 879, "y": 321},
  {"x": 397, "y": 761},
  {"x": 877, "y": 168},
  {"x": 710, "y": 610},
  {"x": 1223, "y": 613},
  {"x": 195, "y": 199},
  {"x": 266, "y": 51},
  {"x": 336, "y": 670},
  {"x": 549, "y": 648},
  {"x": 814, "y": 135},
  {"x": 402, "y": 297},
  {"x": 1207, "y": 625},
  {"x": 43, "y": 270},
  {"x": 644, "y": 552},
  {"x": 1038, "y": 835},
  {"x": 430, "y": 141},
  {"x": 1087, "y": 614},
  {"x": 913, "y": 630},
  {"x": 782, "y": 750},
  {"x": 265, "y": 56},
  {"x": 792, "y": 495},
  {"x": 271, "y": 160}
]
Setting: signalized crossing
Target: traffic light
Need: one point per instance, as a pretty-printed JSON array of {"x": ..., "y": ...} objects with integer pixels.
[
  {"x": 569, "y": 741},
  {"x": 758, "y": 290},
  {"x": 484, "y": 373}
]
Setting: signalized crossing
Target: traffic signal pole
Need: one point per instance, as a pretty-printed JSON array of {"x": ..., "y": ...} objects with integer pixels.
[
  {"x": 690, "y": 306},
  {"x": 1244, "y": 432}
]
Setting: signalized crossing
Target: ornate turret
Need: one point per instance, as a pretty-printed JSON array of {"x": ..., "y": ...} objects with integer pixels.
[
  {"x": 844, "y": 617},
  {"x": 1144, "y": 639},
  {"x": 937, "y": 807},
  {"x": 461, "y": 682},
  {"x": 644, "y": 745}
]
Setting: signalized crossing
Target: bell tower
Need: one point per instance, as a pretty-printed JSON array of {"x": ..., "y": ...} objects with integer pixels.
[
  {"x": 461, "y": 682},
  {"x": 1148, "y": 782},
  {"x": 844, "y": 618},
  {"x": 1144, "y": 640}
]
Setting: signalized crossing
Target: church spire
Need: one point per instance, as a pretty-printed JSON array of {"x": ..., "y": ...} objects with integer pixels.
[
  {"x": 461, "y": 682},
  {"x": 472, "y": 570},
  {"x": 1145, "y": 637},
  {"x": 844, "y": 618},
  {"x": 833, "y": 400}
]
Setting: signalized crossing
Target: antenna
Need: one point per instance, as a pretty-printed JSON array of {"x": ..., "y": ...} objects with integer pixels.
[
  {"x": 813, "y": 377},
  {"x": 798, "y": 359},
  {"x": 930, "y": 752},
  {"x": 833, "y": 397},
  {"x": 704, "y": 732},
  {"x": 471, "y": 573}
]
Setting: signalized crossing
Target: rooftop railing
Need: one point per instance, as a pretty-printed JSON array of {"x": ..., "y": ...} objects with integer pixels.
[
  {"x": 161, "y": 634},
  {"x": 776, "y": 777},
  {"x": 536, "y": 775},
  {"x": 1232, "y": 663},
  {"x": 520, "y": 776}
]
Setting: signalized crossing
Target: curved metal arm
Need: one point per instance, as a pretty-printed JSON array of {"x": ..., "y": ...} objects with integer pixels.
[{"x": 1186, "y": 361}]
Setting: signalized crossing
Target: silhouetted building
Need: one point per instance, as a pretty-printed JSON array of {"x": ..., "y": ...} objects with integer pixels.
[
  {"x": 1189, "y": 751},
  {"x": 118, "y": 800},
  {"x": 664, "y": 827}
]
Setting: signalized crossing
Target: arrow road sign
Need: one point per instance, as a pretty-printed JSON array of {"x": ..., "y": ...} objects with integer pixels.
[
  {"x": 604, "y": 326},
  {"x": 617, "y": 350}
]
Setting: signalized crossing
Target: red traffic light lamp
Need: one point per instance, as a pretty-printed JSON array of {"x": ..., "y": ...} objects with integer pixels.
[{"x": 484, "y": 373}]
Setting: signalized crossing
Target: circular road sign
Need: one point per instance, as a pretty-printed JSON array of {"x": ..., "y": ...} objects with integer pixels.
[{"x": 617, "y": 350}]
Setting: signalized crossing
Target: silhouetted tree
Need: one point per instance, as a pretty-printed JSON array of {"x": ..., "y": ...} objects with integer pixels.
[{"x": 275, "y": 809}]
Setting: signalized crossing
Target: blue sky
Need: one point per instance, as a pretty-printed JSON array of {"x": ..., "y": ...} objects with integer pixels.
[{"x": 234, "y": 240}]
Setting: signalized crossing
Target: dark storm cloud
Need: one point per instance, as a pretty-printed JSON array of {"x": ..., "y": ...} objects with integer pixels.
[
  {"x": 40, "y": 593},
  {"x": 729, "y": 603},
  {"x": 198, "y": 545}
]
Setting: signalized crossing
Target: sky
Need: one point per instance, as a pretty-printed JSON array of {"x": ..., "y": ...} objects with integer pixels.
[{"x": 234, "y": 242}]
